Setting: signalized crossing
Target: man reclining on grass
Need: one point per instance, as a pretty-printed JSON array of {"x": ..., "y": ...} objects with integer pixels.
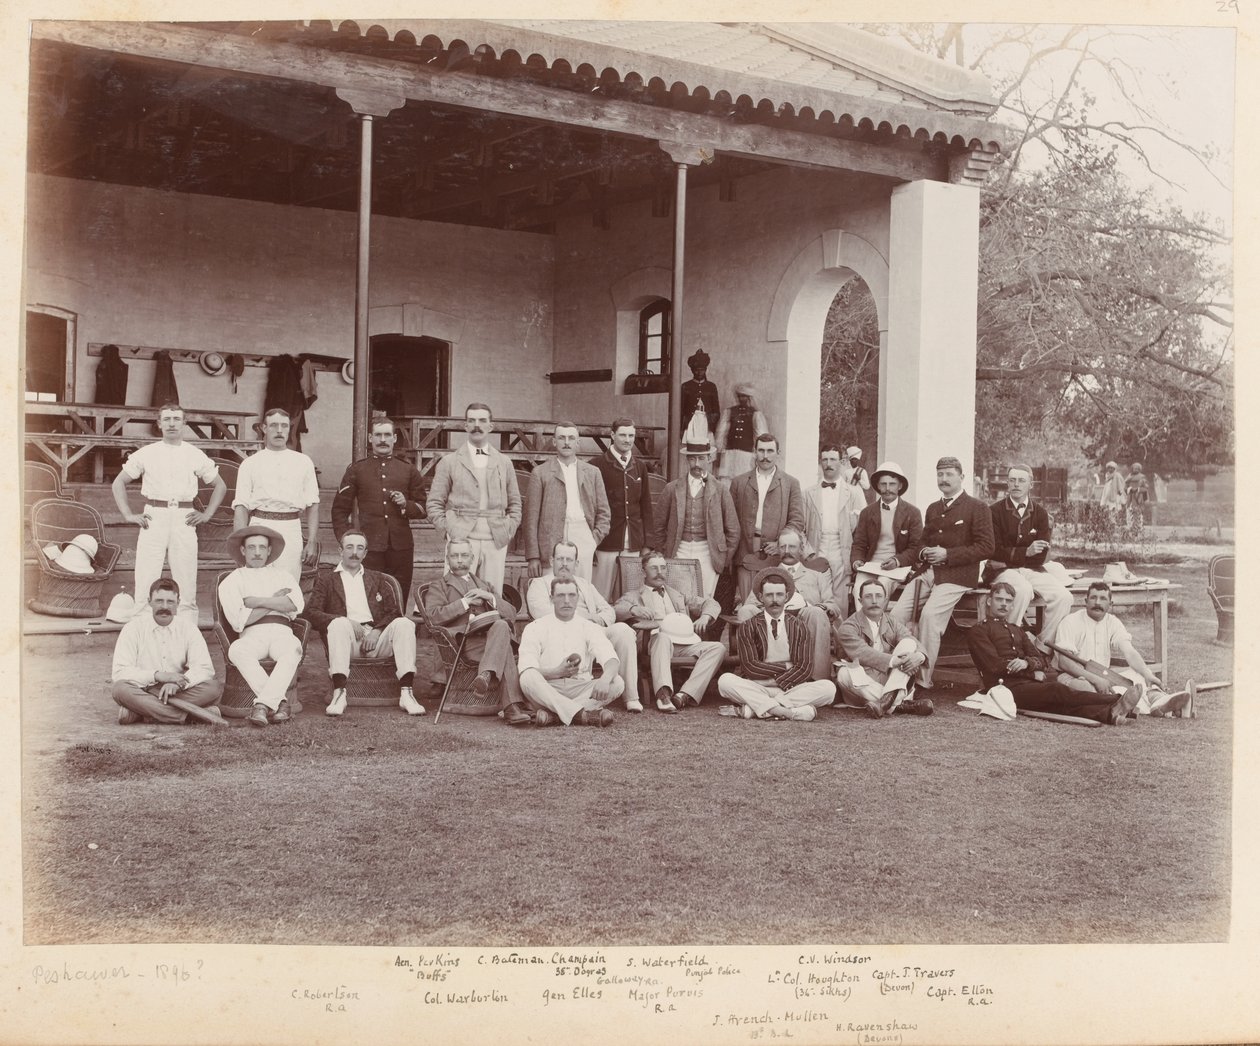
[
  {"x": 162, "y": 669},
  {"x": 1004, "y": 653},
  {"x": 887, "y": 658}
]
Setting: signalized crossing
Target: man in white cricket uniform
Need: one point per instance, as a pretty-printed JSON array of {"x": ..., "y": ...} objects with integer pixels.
[
  {"x": 168, "y": 472},
  {"x": 274, "y": 488}
]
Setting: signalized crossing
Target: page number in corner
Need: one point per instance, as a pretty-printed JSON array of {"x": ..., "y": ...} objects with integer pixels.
[{"x": 1227, "y": 6}]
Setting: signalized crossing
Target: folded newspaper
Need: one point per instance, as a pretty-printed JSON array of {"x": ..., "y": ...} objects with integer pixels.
[{"x": 897, "y": 574}]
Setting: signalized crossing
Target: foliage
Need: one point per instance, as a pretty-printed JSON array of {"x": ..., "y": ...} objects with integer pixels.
[{"x": 1087, "y": 526}]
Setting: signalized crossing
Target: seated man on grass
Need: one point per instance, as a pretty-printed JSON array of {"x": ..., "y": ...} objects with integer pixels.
[
  {"x": 162, "y": 669},
  {"x": 557, "y": 656},
  {"x": 357, "y": 612},
  {"x": 259, "y": 600},
  {"x": 1004, "y": 653},
  {"x": 887, "y": 658},
  {"x": 774, "y": 659},
  {"x": 651, "y": 605}
]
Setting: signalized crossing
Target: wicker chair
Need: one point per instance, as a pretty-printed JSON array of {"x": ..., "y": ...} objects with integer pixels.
[
  {"x": 213, "y": 534},
  {"x": 238, "y": 698},
  {"x": 1220, "y": 588},
  {"x": 461, "y": 699},
  {"x": 62, "y": 592},
  {"x": 371, "y": 680}
]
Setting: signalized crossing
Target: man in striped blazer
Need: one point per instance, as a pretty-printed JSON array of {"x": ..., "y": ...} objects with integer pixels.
[
  {"x": 629, "y": 503},
  {"x": 774, "y": 658}
]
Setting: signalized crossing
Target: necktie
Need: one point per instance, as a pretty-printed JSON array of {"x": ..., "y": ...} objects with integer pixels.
[
  {"x": 828, "y": 486},
  {"x": 625, "y": 463},
  {"x": 887, "y": 507},
  {"x": 1020, "y": 509},
  {"x": 774, "y": 627},
  {"x": 947, "y": 502}
]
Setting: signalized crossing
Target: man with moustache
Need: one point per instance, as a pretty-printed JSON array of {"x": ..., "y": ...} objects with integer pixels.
[
  {"x": 162, "y": 671},
  {"x": 832, "y": 509},
  {"x": 629, "y": 503},
  {"x": 453, "y": 600},
  {"x": 168, "y": 472},
  {"x": 766, "y": 501},
  {"x": 592, "y": 607},
  {"x": 274, "y": 488},
  {"x": 474, "y": 496},
  {"x": 388, "y": 493},
  {"x": 698, "y": 518},
  {"x": 259, "y": 600},
  {"x": 957, "y": 535},
  {"x": 566, "y": 500},
  {"x": 888, "y": 531},
  {"x": 774, "y": 663},
  {"x": 885, "y": 656},
  {"x": 357, "y": 613}
]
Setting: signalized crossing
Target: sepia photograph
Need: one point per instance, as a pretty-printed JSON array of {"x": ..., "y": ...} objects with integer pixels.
[{"x": 667, "y": 528}]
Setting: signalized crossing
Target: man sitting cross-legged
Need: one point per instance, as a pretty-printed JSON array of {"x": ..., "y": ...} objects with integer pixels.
[
  {"x": 453, "y": 600},
  {"x": 161, "y": 658},
  {"x": 652, "y": 604},
  {"x": 593, "y": 607},
  {"x": 356, "y": 611},
  {"x": 557, "y": 655},
  {"x": 1004, "y": 653},
  {"x": 773, "y": 680},
  {"x": 887, "y": 655}
]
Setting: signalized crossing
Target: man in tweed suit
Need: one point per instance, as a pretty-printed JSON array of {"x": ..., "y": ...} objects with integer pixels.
[
  {"x": 629, "y": 503},
  {"x": 774, "y": 658},
  {"x": 566, "y": 501},
  {"x": 698, "y": 518},
  {"x": 766, "y": 500},
  {"x": 957, "y": 535},
  {"x": 358, "y": 614},
  {"x": 474, "y": 496}
]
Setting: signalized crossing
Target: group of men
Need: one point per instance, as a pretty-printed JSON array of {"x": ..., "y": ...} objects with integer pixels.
[{"x": 793, "y": 554}]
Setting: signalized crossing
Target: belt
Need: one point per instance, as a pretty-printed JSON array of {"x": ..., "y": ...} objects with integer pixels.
[
  {"x": 270, "y": 619},
  {"x": 170, "y": 504},
  {"x": 262, "y": 514}
]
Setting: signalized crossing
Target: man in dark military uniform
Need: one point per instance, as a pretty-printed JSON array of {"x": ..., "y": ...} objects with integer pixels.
[
  {"x": 699, "y": 390},
  {"x": 390, "y": 494}
]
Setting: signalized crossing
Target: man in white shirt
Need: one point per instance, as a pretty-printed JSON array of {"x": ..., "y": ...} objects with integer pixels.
[
  {"x": 358, "y": 613},
  {"x": 593, "y": 607},
  {"x": 1094, "y": 634},
  {"x": 162, "y": 670},
  {"x": 168, "y": 471},
  {"x": 274, "y": 488},
  {"x": 884, "y": 658},
  {"x": 832, "y": 509},
  {"x": 556, "y": 657},
  {"x": 259, "y": 600}
]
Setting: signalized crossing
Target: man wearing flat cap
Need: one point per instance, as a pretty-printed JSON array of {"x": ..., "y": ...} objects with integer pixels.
[
  {"x": 260, "y": 600},
  {"x": 774, "y": 659},
  {"x": 886, "y": 537},
  {"x": 699, "y": 393},
  {"x": 737, "y": 432},
  {"x": 957, "y": 535}
]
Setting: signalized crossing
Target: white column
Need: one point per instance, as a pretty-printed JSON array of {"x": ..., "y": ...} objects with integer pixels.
[{"x": 927, "y": 389}]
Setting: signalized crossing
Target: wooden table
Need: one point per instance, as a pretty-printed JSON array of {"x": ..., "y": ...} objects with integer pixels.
[
  {"x": 1154, "y": 596},
  {"x": 83, "y": 428}
]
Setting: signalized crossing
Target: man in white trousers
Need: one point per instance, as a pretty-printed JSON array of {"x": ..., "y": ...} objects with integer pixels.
[
  {"x": 168, "y": 472},
  {"x": 259, "y": 600},
  {"x": 831, "y": 514},
  {"x": 885, "y": 659}
]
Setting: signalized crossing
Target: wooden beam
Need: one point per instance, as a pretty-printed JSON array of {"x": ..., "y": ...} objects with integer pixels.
[{"x": 304, "y": 64}]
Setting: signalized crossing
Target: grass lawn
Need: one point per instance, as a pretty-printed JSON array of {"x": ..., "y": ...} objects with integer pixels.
[{"x": 693, "y": 829}]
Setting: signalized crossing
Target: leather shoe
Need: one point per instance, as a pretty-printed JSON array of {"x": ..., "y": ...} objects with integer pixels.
[
  {"x": 485, "y": 683},
  {"x": 338, "y": 703},
  {"x": 257, "y": 715},
  {"x": 594, "y": 717},
  {"x": 665, "y": 704},
  {"x": 544, "y": 718},
  {"x": 634, "y": 706},
  {"x": 515, "y": 714},
  {"x": 408, "y": 703},
  {"x": 917, "y": 706},
  {"x": 281, "y": 714}
]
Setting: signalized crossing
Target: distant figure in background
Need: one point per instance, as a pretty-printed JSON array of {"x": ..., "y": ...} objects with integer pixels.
[
  {"x": 737, "y": 433},
  {"x": 1114, "y": 494},
  {"x": 1137, "y": 490},
  {"x": 1161, "y": 488},
  {"x": 699, "y": 395},
  {"x": 858, "y": 477}
]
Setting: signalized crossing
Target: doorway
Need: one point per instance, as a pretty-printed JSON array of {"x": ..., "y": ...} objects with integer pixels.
[
  {"x": 410, "y": 378},
  {"x": 49, "y": 348}
]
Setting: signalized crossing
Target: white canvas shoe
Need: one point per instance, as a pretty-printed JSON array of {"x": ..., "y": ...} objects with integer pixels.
[
  {"x": 338, "y": 703},
  {"x": 408, "y": 703}
]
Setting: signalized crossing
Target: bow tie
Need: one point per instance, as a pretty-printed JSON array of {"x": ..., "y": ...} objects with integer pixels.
[
  {"x": 828, "y": 486},
  {"x": 659, "y": 591},
  {"x": 481, "y": 452},
  {"x": 1020, "y": 508}
]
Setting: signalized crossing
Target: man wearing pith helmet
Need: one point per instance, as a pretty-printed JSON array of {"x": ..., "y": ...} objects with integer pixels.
[{"x": 888, "y": 530}]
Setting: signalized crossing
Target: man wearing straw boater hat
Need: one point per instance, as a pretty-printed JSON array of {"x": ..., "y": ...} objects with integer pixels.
[
  {"x": 162, "y": 670},
  {"x": 275, "y": 487},
  {"x": 168, "y": 471},
  {"x": 774, "y": 659},
  {"x": 697, "y": 518},
  {"x": 259, "y": 600}
]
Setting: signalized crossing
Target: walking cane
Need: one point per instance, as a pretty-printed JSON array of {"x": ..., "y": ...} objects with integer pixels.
[{"x": 459, "y": 649}]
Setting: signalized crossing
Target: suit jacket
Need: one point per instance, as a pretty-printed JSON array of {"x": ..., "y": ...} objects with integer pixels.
[
  {"x": 693, "y": 607},
  {"x": 328, "y": 599},
  {"x": 629, "y": 501},
  {"x": 367, "y": 484},
  {"x": 856, "y": 643},
  {"x": 992, "y": 644},
  {"x": 784, "y": 507},
  {"x": 1012, "y": 535},
  {"x": 966, "y": 534},
  {"x": 750, "y": 644},
  {"x": 721, "y": 525},
  {"x": 813, "y": 586},
  {"x": 444, "y": 602},
  {"x": 455, "y": 496},
  {"x": 851, "y": 505},
  {"x": 547, "y": 505},
  {"x": 907, "y": 532}
]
